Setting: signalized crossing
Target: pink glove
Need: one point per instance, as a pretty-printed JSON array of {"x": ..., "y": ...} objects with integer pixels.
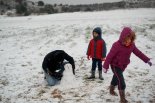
[
  {"x": 150, "y": 63},
  {"x": 105, "y": 70}
]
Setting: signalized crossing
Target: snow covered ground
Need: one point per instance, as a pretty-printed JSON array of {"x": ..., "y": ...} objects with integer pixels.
[{"x": 24, "y": 41}]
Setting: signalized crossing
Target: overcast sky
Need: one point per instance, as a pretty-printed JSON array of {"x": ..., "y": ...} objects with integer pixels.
[{"x": 76, "y": 1}]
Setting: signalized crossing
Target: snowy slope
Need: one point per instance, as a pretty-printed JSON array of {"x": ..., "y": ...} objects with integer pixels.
[{"x": 24, "y": 41}]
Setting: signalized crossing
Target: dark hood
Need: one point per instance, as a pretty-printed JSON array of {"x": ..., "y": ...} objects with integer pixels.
[{"x": 99, "y": 31}]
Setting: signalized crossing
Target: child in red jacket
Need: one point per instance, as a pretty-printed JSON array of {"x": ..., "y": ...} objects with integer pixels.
[
  {"x": 96, "y": 51},
  {"x": 119, "y": 57}
]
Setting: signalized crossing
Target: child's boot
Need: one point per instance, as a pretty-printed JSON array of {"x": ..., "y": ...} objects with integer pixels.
[
  {"x": 112, "y": 90},
  {"x": 100, "y": 75},
  {"x": 92, "y": 75},
  {"x": 122, "y": 96}
]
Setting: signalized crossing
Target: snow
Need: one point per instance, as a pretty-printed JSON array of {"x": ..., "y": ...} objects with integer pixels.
[{"x": 24, "y": 41}]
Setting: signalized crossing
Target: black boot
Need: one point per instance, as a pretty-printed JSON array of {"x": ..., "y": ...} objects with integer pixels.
[
  {"x": 100, "y": 75},
  {"x": 92, "y": 75}
]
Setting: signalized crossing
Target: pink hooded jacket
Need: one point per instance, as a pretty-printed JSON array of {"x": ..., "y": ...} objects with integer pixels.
[{"x": 119, "y": 54}]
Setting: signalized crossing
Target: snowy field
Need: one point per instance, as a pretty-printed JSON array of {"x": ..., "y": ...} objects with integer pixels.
[{"x": 24, "y": 41}]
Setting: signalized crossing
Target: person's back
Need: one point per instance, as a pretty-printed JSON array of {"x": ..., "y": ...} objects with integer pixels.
[
  {"x": 53, "y": 60},
  {"x": 53, "y": 65}
]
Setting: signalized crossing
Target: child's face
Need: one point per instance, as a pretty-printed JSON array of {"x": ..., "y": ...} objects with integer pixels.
[
  {"x": 95, "y": 34},
  {"x": 127, "y": 41}
]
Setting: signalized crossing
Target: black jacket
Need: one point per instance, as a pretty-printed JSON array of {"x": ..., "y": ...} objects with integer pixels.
[{"x": 54, "y": 60}]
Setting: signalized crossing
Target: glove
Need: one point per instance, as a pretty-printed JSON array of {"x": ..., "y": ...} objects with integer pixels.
[
  {"x": 88, "y": 57},
  {"x": 150, "y": 63},
  {"x": 105, "y": 70}
]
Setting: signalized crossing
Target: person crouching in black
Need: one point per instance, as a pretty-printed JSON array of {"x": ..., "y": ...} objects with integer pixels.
[{"x": 53, "y": 66}]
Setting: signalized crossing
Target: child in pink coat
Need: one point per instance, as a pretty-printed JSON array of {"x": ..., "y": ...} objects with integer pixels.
[{"x": 119, "y": 57}]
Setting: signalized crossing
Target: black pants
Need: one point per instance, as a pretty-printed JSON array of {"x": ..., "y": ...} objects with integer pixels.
[
  {"x": 96, "y": 62},
  {"x": 118, "y": 78}
]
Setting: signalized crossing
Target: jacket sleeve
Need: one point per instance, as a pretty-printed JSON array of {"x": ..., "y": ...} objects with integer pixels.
[
  {"x": 89, "y": 49},
  {"x": 110, "y": 56},
  {"x": 139, "y": 54},
  {"x": 104, "y": 49},
  {"x": 70, "y": 60}
]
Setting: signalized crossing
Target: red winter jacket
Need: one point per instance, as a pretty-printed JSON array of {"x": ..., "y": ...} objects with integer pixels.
[{"x": 97, "y": 49}]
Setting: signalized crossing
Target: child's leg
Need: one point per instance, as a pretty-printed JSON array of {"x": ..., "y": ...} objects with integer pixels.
[
  {"x": 99, "y": 65},
  {"x": 114, "y": 82},
  {"x": 120, "y": 78},
  {"x": 121, "y": 84},
  {"x": 93, "y": 69},
  {"x": 94, "y": 61},
  {"x": 100, "y": 69}
]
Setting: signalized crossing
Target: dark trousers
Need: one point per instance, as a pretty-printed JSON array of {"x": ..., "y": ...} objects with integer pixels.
[
  {"x": 118, "y": 78},
  {"x": 96, "y": 62}
]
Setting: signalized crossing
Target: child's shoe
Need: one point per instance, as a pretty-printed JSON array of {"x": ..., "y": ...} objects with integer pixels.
[
  {"x": 112, "y": 90},
  {"x": 122, "y": 96},
  {"x": 92, "y": 75},
  {"x": 100, "y": 75}
]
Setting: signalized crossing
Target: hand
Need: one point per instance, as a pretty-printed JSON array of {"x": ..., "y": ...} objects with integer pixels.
[
  {"x": 105, "y": 70},
  {"x": 103, "y": 59},
  {"x": 150, "y": 63},
  {"x": 88, "y": 57}
]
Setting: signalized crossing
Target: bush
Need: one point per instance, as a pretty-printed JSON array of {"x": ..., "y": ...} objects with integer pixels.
[
  {"x": 40, "y": 3},
  {"x": 20, "y": 9},
  {"x": 49, "y": 9}
]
